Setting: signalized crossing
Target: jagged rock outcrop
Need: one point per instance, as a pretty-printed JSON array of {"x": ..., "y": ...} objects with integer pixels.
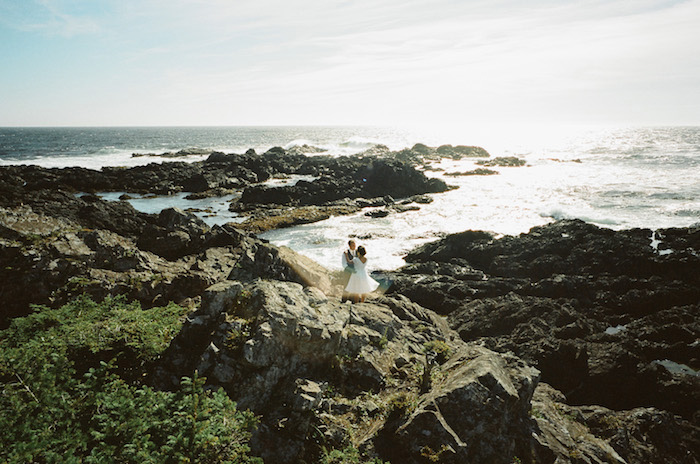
[
  {"x": 473, "y": 414},
  {"x": 364, "y": 175},
  {"x": 421, "y": 153},
  {"x": 334, "y": 185},
  {"x": 44, "y": 260},
  {"x": 366, "y": 178},
  {"x": 306, "y": 364},
  {"x": 592, "y": 361},
  {"x": 174, "y": 234},
  {"x": 49, "y": 260},
  {"x": 504, "y": 161},
  {"x": 641, "y": 435},
  {"x": 608, "y": 317}
]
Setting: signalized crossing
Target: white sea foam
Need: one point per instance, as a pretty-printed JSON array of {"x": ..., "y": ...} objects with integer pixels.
[
  {"x": 655, "y": 242},
  {"x": 615, "y": 330},
  {"x": 298, "y": 143},
  {"x": 288, "y": 180},
  {"x": 360, "y": 143},
  {"x": 105, "y": 158},
  {"x": 677, "y": 368},
  {"x": 558, "y": 214}
]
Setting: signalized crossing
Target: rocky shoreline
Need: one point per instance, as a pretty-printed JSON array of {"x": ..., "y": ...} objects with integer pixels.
[{"x": 569, "y": 343}]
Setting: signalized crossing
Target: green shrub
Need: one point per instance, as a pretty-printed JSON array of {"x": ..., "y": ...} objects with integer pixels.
[
  {"x": 402, "y": 403},
  {"x": 441, "y": 350},
  {"x": 56, "y": 417},
  {"x": 349, "y": 455},
  {"x": 52, "y": 413},
  {"x": 86, "y": 326}
]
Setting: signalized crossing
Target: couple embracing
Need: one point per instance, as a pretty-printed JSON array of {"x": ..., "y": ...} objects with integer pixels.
[{"x": 355, "y": 268}]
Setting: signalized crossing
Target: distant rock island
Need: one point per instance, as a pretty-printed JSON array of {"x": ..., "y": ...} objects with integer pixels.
[{"x": 567, "y": 344}]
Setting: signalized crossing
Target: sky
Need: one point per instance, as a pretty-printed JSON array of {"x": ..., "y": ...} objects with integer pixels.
[{"x": 348, "y": 62}]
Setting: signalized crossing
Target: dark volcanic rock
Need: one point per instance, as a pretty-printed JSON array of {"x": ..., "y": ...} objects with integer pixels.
[
  {"x": 88, "y": 210},
  {"x": 642, "y": 435},
  {"x": 455, "y": 434},
  {"x": 421, "y": 153},
  {"x": 303, "y": 193},
  {"x": 382, "y": 174},
  {"x": 461, "y": 151},
  {"x": 49, "y": 260},
  {"x": 175, "y": 234},
  {"x": 569, "y": 247},
  {"x": 452, "y": 246},
  {"x": 474, "y": 172},
  {"x": 185, "y": 152},
  {"x": 569, "y": 344},
  {"x": 379, "y": 213},
  {"x": 506, "y": 161},
  {"x": 349, "y": 178},
  {"x": 400, "y": 180},
  {"x": 550, "y": 296},
  {"x": 378, "y": 174}
]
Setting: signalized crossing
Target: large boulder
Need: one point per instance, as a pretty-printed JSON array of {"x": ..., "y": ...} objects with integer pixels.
[
  {"x": 641, "y": 435},
  {"x": 400, "y": 180},
  {"x": 176, "y": 233},
  {"x": 421, "y": 153},
  {"x": 479, "y": 412}
]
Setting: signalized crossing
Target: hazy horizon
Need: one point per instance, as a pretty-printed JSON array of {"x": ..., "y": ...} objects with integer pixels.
[
  {"x": 189, "y": 63},
  {"x": 493, "y": 125}
]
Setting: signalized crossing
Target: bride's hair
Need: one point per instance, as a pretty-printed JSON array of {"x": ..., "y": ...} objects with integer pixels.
[{"x": 361, "y": 251}]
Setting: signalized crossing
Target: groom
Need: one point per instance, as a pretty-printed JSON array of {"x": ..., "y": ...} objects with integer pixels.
[{"x": 348, "y": 266}]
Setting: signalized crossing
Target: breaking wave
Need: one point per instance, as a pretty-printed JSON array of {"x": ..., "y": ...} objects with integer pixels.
[{"x": 558, "y": 214}]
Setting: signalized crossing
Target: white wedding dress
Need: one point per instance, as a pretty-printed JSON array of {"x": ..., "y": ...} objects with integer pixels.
[{"x": 360, "y": 282}]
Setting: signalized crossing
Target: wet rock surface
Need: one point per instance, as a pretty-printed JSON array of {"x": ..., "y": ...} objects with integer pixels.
[
  {"x": 348, "y": 178},
  {"x": 333, "y": 185},
  {"x": 504, "y": 161},
  {"x": 473, "y": 172},
  {"x": 337, "y": 177}
]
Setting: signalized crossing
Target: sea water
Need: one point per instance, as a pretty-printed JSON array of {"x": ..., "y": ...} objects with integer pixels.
[{"x": 613, "y": 177}]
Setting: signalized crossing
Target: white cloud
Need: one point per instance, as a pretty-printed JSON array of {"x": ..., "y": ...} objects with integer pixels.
[
  {"x": 387, "y": 61},
  {"x": 51, "y": 17}
]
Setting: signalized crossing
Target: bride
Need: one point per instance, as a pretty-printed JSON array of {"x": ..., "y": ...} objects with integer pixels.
[{"x": 360, "y": 282}]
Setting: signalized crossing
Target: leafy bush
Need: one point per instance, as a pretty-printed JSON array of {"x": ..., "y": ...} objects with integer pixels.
[
  {"x": 52, "y": 413},
  {"x": 349, "y": 455},
  {"x": 402, "y": 403},
  {"x": 439, "y": 348},
  {"x": 87, "y": 326}
]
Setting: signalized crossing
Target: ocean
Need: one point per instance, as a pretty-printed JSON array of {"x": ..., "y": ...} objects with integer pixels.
[{"x": 618, "y": 178}]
